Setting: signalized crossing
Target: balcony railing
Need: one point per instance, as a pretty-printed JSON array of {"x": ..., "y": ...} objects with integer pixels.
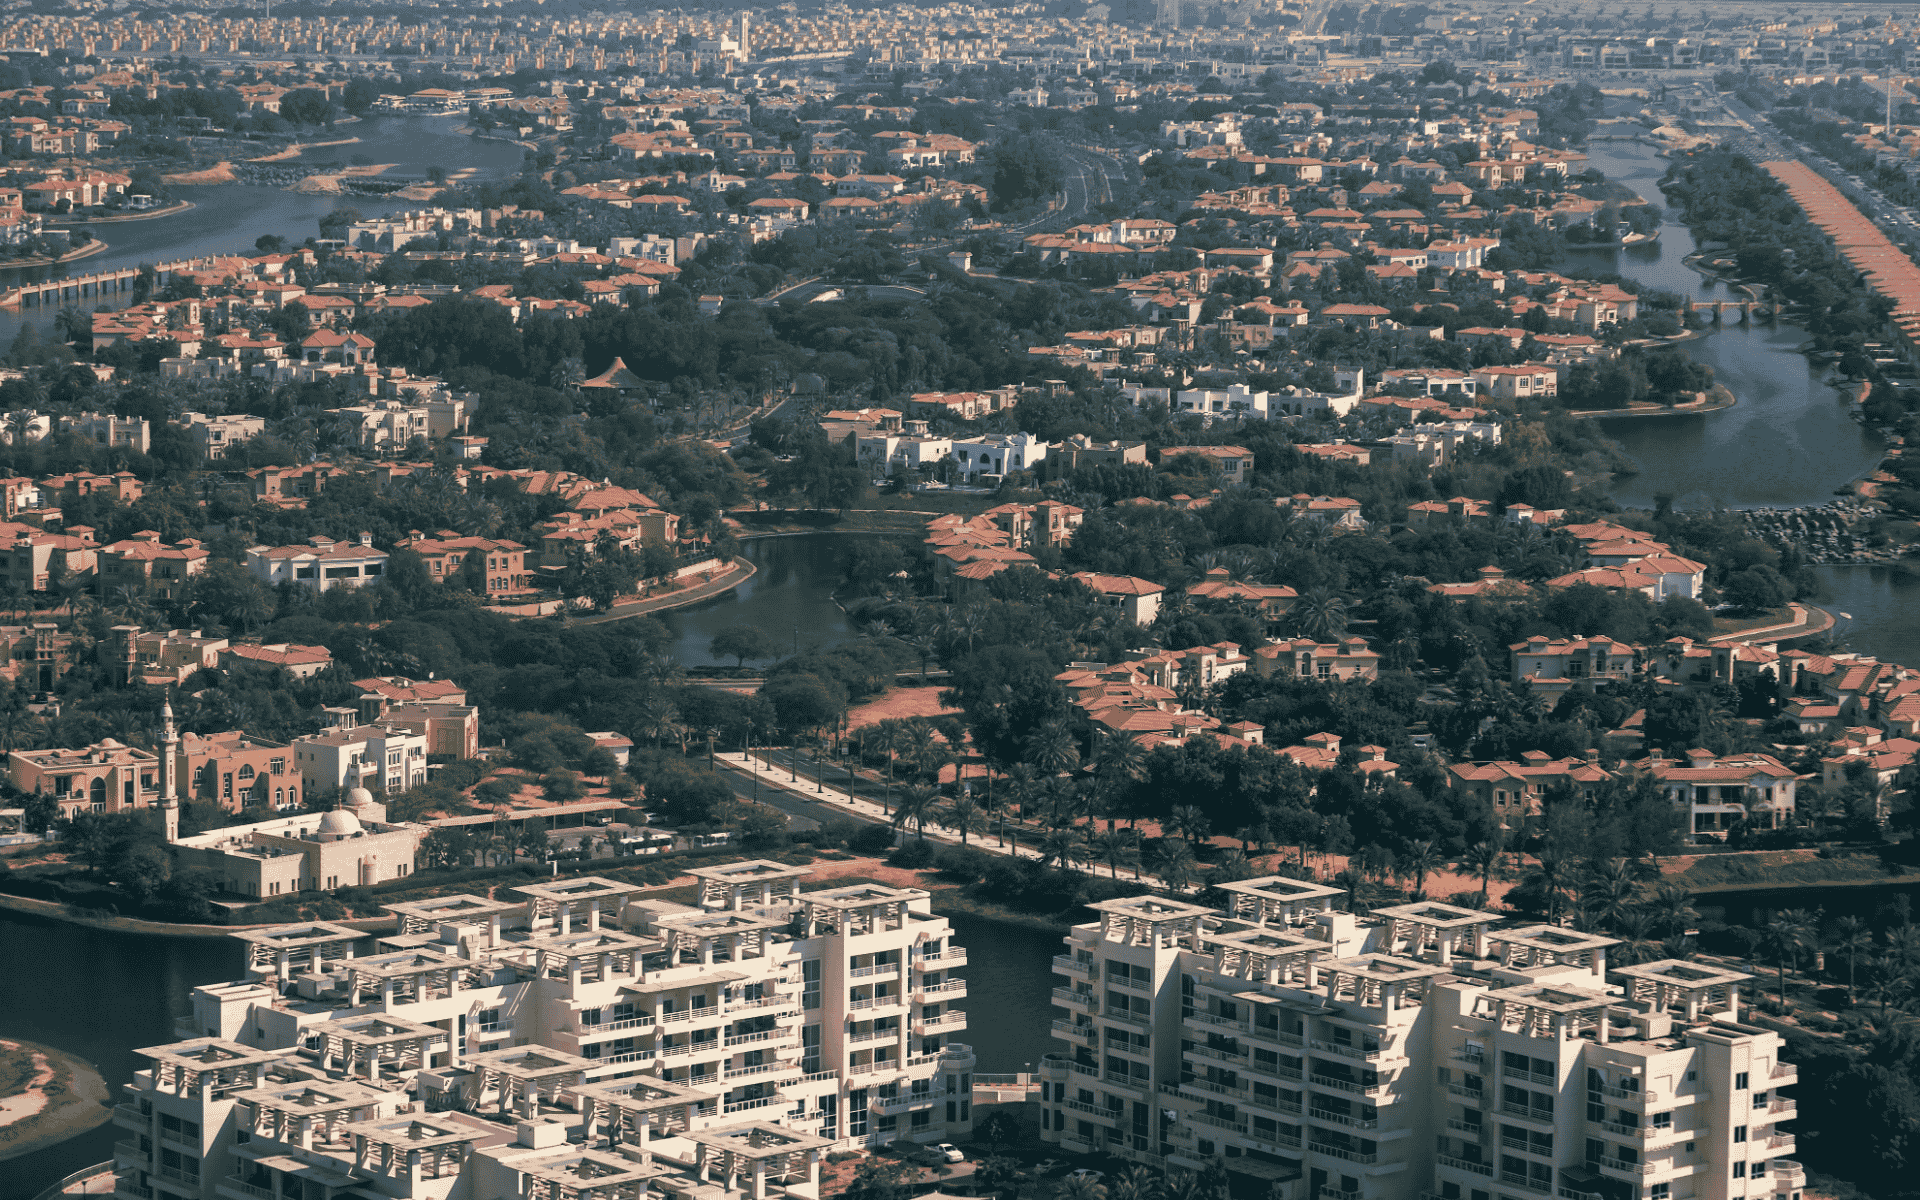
[
  {"x": 1346, "y": 1085},
  {"x": 1530, "y": 1076},
  {"x": 1085, "y": 1033},
  {"x": 1214, "y": 1052},
  {"x": 1141, "y": 1020},
  {"x": 1217, "y": 1089},
  {"x": 742, "y": 1039},
  {"x": 1218, "y": 1122},
  {"x": 1067, "y": 964},
  {"x": 1138, "y": 985},
  {"x": 689, "y": 1014},
  {"x": 1459, "y": 1126},
  {"x": 1527, "y": 1114},
  {"x": 130, "y": 1150},
  {"x": 1343, "y": 1119},
  {"x": 1783, "y": 1109},
  {"x": 177, "y": 1175},
  {"x": 877, "y": 969},
  {"x": 1352, "y": 1156},
  {"x": 747, "y": 1105},
  {"x": 1461, "y": 1164},
  {"x": 248, "y": 1189},
  {"x": 1093, "y": 1110},
  {"x": 596, "y": 1028},
  {"x": 1631, "y": 1168},
  {"x": 760, "y": 1069},
  {"x": 1086, "y": 1000},
  {"x": 1221, "y": 1022},
  {"x": 1524, "y": 1182},
  {"x": 1461, "y": 1090},
  {"x": 1348, "y": 1051},
  {"x": 1277, "y": 1036},
  {"x": 127, "y": 1187}
]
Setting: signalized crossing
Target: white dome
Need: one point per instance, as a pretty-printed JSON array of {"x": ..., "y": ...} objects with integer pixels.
[
  {"x": 358, "y": 797},
  {"x": 340, "y": 823}
]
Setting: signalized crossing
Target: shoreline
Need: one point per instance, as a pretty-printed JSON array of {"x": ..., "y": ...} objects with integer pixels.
[
  {"x": 1641, "y": 412},
  {"x": 77, "y": 1101},
  {"x": 54, "y": 911},
  {"x": 96, "y": 246},
  {"x": 178, "y": 206}
]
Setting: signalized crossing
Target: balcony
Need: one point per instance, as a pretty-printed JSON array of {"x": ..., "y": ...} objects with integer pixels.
[
  {"x": 1467, "y": 1127},
  {"x": 1461, "y": 1164},
  {"x": 129, "y": 1117},
  {"x": 1217, "y": 1122},
  {"x": 879, "y": 969},
  {"x": 749, "y": 1105},
  {"x": 1342, "y": 1119},
  {"x": 1214, "y": 1089},
  {"x": 596, "y": 1028},
  {"x": 1783, "y": 1109},
  {"x": 1328, "y": 1193},
  {"x": 1472, "y": 1060},
  {"x": 1540, "y": 1116},
  {"x": 1471, "y": 1095},
  {"x": 873, "y": 1035},
  {"x": 689, "y": 1014},
  {"x": 1779, "y": 1143},
  {"x": 951, "y": 957},
  {"x": 889, "y": 1001},
  {"x": 1348, "y": 1051},
  {"x": 1787, "y": 1174},
  {"x": 1347, "y": 1085},
  {"x": 1632, "y": 1131},
  {"x": 1136, "y": 1086},
  {"x": 1219, "y": 1022},
  {"x": 1067, "y": 964},
  {"x": 952, "y": 989},
  {"x": 127, "y": 1188},
  {"x": 131, "y": 1152},
  {"x": 1277, "y": 1037},
  {"x": 1636, "y": 1169},
  {"x": 951, "y": 1019},
  {"x": 760, "y": 1069},
  {"x": 1509, "y": 1179},
  {"x": 764, "y": 1035},
  {"x": 1219, "y": 1055},
  {"x": 234, "y": 1183},
  {"x": 1137, "y": 1020},
  {"x": 1079, "y": 1033},
  {"x": 1541, "y": 1077},
  {"x": 1138, "y": 985},
  {"x": 1341, "y": 1152},
  {"x": 630, "y": 1056},
  {"x": 1092, "y": 1110},
  {"x": 900, "y": 1104},
  {"x": 176, "y": 1175},
  {"x": 175, "y": 1138},
  {"x": 1073, "y": 999},
  {"x": 1279, "y": 1106}
]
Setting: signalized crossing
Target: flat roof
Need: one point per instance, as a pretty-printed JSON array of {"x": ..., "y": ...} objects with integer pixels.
[
  {"x": 758, "y": 1140},
  {"x": 1555, "y": 998},
  {"x": 1385, "y": 968},
  {"x": 756, "y": 870},
  {"x": 1281, "y": 887},
  {"x": 529, "y": 1062},
  {"x": 1437, "y": 915},
  {"x": 1153, "y": 908},
  {"x": 1557, "y": 939},
  {"x": 581, "y": 887},
  {"x": 298, "y": 937},
  {"x": 1679, "y": 972},
  {"x": 861, "y": 895},
  {"x": 450, "y": 908}
]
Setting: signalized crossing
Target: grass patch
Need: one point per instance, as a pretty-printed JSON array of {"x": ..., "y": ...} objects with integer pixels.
[
  {"x": 1726, "y": 872},
  {"x": 1772, "y": 616}
]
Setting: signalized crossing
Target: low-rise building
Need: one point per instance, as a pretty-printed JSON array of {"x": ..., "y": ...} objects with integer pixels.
[{"x": 319, "y": 566}]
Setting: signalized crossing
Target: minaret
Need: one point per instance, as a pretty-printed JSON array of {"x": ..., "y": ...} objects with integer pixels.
[{"x": 169, "y": 747}]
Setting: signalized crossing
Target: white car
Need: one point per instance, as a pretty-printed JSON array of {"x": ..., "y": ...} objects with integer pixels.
[
  {"x": 949, "y": 1152},
  {"x": 1087, "y": 1174}
]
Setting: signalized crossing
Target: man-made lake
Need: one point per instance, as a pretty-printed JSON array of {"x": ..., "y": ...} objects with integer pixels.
[
  {"x": 1788, "y": 442},
  {"x": 102, "y": 995},
  {"x": 790, "y": 598}
]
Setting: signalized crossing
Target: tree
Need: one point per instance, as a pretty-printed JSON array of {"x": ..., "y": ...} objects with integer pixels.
[
  {"x": 1117, "y": 848},
  {"x": 741, "y": 642},
  {"x": 562, "y": 787},
  {"x": 1853, "y": 940},
  {"x": 1420, "y": 861},
  {"x": 40, "y": 812},
  {"x": 1756, "y": 589},
  {"x": 1789, "y": 932},
  {"x": 964, "y": 817},
  {"x": 1063, "y": 846},
  {"x": 1052, "y": 751},
  {"x": 1320, "y": 613},
  {"x": 1175, "y": 865},
  {"x": 916, "y": 809}
]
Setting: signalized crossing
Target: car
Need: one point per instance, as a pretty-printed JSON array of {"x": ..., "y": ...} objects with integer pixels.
[
  {"x": 1088, "y": 1174},
  {"x": 949, "y": 1152}
]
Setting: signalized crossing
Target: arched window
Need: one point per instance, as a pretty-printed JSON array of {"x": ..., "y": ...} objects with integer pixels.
[{"x": 97, "y": 792}]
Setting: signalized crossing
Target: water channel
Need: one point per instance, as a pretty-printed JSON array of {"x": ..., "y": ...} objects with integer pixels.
[
  {"x": 1788, "y": 442},
  {"x": 790, "y": 598}
]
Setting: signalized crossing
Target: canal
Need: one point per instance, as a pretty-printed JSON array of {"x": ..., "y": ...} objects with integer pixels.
[
  {"x": 790, "y": 598},
  {"x": 1788, "y": 442}
]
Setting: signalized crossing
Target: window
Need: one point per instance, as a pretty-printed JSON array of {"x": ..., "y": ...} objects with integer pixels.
[
  {"x": 1660, "y": 1191},
  {"x": 1740, "y": 1081},
  {"x": 1739, "y": 1134},
  {"x": 1739, "y": 1170}
]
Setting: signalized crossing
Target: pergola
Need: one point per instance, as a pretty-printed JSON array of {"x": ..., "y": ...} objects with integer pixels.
[
  {"x": 210, "y": 1068},
  {"x": 360, "y": 1045},
  {"x": 577, "y": 1173},
  {"x": 851, "y": 911},
  {"x": 752, "y": 884},
  {"x": 276, "y": 951},
  {"x": 1151, "y": 921},
  {"x": 727, "y": 935},
  {"x": 411, "y": 1147},
  {"x": 1558, "y": 1013},
  {"x": 590, "y": 956},
  {"x": 1279, "y": 897},
  {"x": 1693, "y": 987},
  {"x": 408, "y": 976},
  {"x": 559, "y": 901},
  {"x": 1551, "y": 946},
  {"x": 1447, "y": 928},
  {"x": 1263, "y": 955},
  {"x": 467, "y": 912},
  {"x": 1377, "y": 980},
  {"x": 634, "y": 1111},
  {"x": 523, "y": 1075},
  {"x": 302, "y": 1112},
  {"x": 758, "y": 1150}
]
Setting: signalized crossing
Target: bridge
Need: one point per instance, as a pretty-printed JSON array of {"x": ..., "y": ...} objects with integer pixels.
[
  {"x": 76, "y": 288},
  {"x": 1725, "y": 312}
]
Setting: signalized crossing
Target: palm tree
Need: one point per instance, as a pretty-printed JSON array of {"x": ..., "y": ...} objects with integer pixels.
[
  {"x": 964, "y": 817},
  {"x": 1673, "y": 908},
  {"x": 1636, "y": 936},
  {"x": 1420, "y": 861},
  {"x": 1320, "y": 613},
  {"x": 916, "y": 806},
  {"x": 1062, "y": 846},
  {"x": 1187, "y": 822},
  {"x": 659, "y": 720},
  {"x": 1116, "y": 848},
  {"x": 1482, "y": 860},
  {"x": 1081, "y": 1187},
  {"x": 1119, "y": 761},
  {"x": 1137, "y": 1184},
  {"x": 1232, "y": 867},
  {"x": 1175, "y": 864},
  {"x": 886, "y": 736},
  {"x": 1609, "y": 893},
  {"x": 1853, "y": 939},
  {"x": 1790, "y": 932},
  {"x": 1890, "y": 984},
  {"x": 1051, "y": 750}
]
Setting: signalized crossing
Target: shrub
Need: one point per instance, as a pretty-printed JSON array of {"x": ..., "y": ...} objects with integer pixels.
[{"x": 913, "y": 854}]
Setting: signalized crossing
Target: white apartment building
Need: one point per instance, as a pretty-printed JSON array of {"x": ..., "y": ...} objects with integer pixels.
[
  {"x": 392, "y": 425},
  {"x": 320, "y": 565},
  {"x": 996, "y": 454},
  {"x": 393, "y": 756},
  {"x": 214, "y": 434},
  {"x": 574, "y": 1043},
  {"x": 1419, "y": 1053}
]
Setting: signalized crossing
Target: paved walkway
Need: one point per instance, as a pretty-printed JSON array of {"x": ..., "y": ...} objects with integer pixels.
[
  {"x": 741, "y": 572},
  {"x": 836, "y": 795},
  {"x": 1807, "y": 620}
]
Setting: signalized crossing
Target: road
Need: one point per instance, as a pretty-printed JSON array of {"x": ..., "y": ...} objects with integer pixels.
[{"x": 1762, "y": 141}]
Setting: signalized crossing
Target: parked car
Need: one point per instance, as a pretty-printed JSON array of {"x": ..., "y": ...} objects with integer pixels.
[{"x": 949, "y": 1152}]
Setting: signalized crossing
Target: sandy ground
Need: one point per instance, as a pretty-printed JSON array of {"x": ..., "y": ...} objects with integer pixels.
[
  {"x": 330, "y": 184},
  {"x": 220, "y": 172},
  {"x": 294, "y": 150},
  {"x": 65, "y": 1096},
  {"x": 899, "y": 702}
]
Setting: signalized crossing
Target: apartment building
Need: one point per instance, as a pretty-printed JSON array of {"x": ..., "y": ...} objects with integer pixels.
[
  {"x": 1419, "y": 1053},
  {"x": 320, "y": 565},
  {"x": 396, "y": 757},
  {"x": 572, "y": 1041},
  {"x": 107, "y": 776}
]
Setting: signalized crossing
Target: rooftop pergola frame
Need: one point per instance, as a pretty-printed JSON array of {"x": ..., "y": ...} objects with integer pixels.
[
  {"x": 634, "y": 1111},
  {"x": 361, "y": 1046},
  {"x": 1547, "y": 1011},
  {"x": 579, "y": 1173},
  {"x": 307, "y": 1112},
  {"x": 865, "y": 908},
  {"x": 210, "y": 1068},
  {"x": 757, "y": 883},
  {"x": 311, "y": 945},
  {"x": 408, "y": 976},
  {"x": 1377, "y": 980},
  {"x": 524, "y": 1076},
  {"x": 1279, "y": 898},
  {"x": 563, "y": 903},
  {"x": 1264, "y": 955},
  {"x": 1696, "y": 988},
  {"x": 1446, "y": 929},
  {"x": 723, "y": 936},
  {"x": 411, "y": 1147},
  {"x": 588, "y": 956},
  {"x": 1551, "y": 946},
  {"x": 758, "y": 1151},
  {"x": 1152, "y": 921},
  {"x": 468, "y": 912}
]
